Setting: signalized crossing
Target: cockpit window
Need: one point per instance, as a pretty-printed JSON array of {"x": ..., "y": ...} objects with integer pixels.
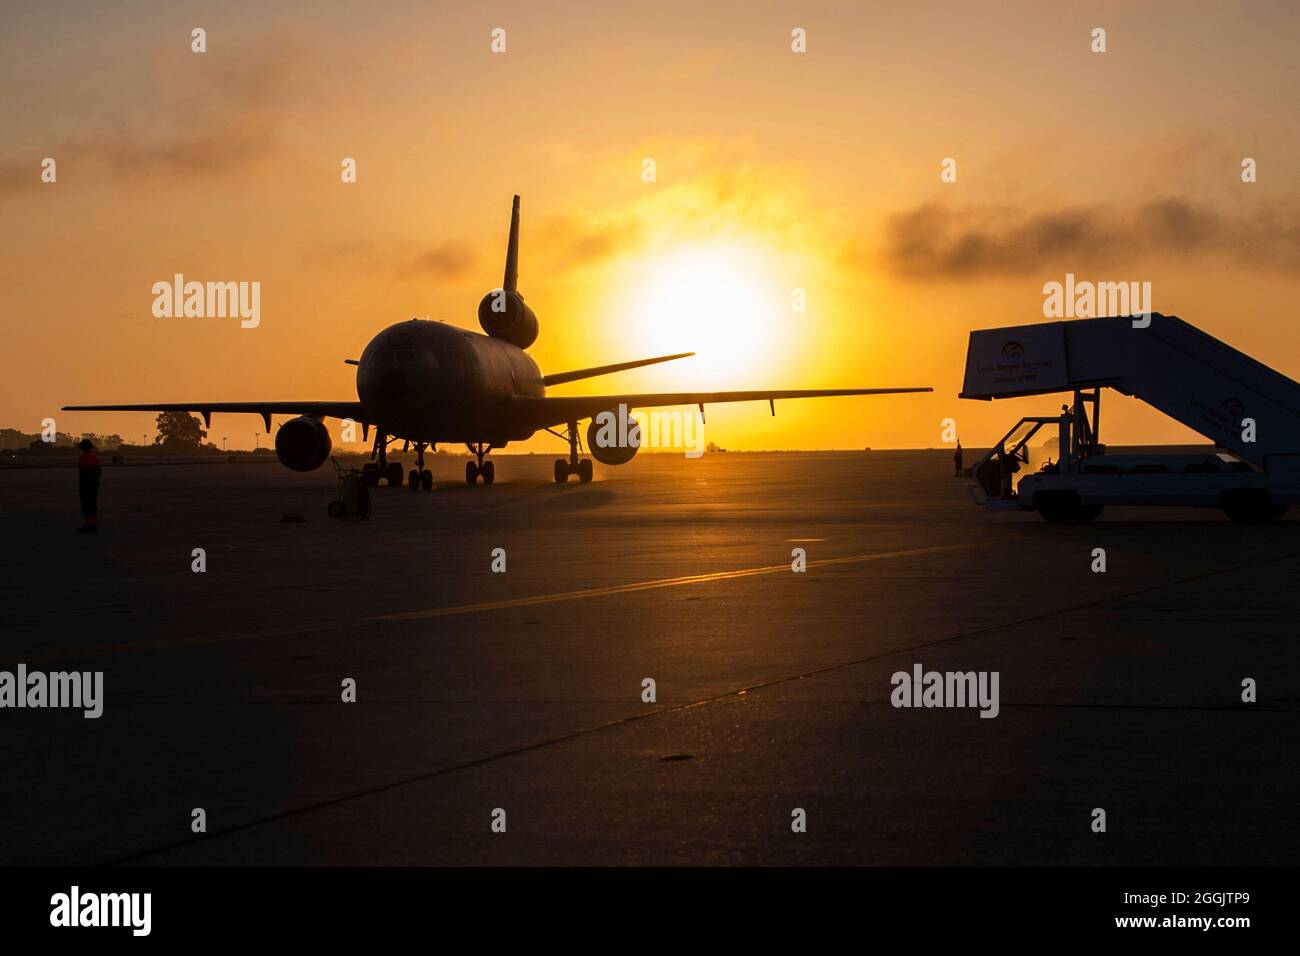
[{"x": 407, "y": 356}]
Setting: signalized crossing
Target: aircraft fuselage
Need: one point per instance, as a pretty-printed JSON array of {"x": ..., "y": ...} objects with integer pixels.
[{"x": 431, "y": 382}]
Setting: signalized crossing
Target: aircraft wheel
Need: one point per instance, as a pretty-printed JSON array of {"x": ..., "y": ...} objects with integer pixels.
[
  {"x": 413, "y": 480},
  {"x": 1087, "y": 513},
  {"x": 489, "y": 472},
  {"x": 471, "y": 472},
  {"x": 584, "y": 470},
  {"x": 426, "y": 480},
  {"x": 335, "y": 509},
  {"x": 561, "y": 471},
  {"x": 394, "y": 474}
]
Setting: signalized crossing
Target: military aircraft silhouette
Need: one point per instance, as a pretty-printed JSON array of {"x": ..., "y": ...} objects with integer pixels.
[{"x": 427, "y": 383}]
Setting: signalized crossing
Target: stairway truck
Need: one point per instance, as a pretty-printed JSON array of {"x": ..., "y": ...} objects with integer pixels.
[{"x": 1250, "y": 412}]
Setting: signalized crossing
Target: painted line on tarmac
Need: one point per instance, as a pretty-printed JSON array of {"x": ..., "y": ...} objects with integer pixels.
[
  {"x": 460, "y": 609},
  {"x": 708, "y": 577}
]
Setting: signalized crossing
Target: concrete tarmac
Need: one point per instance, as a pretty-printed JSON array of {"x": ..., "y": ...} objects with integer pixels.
[{"x": 523, "y": 690}]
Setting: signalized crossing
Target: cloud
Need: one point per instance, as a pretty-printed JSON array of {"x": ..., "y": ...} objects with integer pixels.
[
  {"x": 219, "y": 118},
  {"x": 18, "y": 174},
  {"x": 401, "y": 259},
  {"x": 231, "y": 148},
  {"x": 447, "y": 260},
  {"x": 737, "y": 202},
  {"x": 235, "y": 147},
  {"x": 578, "y": 242},
  {"x": 937, "y": 241}
]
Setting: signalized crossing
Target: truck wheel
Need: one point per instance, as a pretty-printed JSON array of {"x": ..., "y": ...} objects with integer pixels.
[
  {"x": 1251, "y": 507},
  {"x": 1087, "y": 513},
  {"x": 1057, "y": 507}
]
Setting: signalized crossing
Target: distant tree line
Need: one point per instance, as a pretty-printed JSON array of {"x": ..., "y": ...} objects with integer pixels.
[
  {"x": 11, "y": 440},
  {"x": 177, "y": 433}
]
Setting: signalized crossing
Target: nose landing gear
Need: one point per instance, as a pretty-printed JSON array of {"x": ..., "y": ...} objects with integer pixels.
[
  {"x": 419, "y": 478},
  {"x": 479, "y": 467}
]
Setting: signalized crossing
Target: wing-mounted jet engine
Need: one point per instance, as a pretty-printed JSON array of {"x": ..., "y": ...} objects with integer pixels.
[
  {"x": 303, "y": 443},
  {"x": 613, "y": 439}
]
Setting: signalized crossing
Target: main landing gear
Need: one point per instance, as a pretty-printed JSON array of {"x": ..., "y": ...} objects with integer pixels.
[
  {"x": 574, "y": 466},
  {"x": 479, "y": 467},
  {"x": 420, "y": 478},
  {"x": 373, "y": 471}
]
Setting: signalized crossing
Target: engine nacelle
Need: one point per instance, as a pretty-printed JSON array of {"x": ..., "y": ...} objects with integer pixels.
[
  {"x": 613, "y": 437},
  {"x": 505, "y": 316},
  {"x": 303, "y": 443}
]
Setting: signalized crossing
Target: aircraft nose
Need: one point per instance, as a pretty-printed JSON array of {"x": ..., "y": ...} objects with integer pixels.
[{"x": 392, "y": 385}]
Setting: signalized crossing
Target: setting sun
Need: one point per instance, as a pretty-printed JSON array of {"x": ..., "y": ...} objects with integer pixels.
[{"x": 720, "y": 301}]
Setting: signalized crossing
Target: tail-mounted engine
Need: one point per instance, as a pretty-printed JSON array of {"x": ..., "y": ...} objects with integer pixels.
[
  {"x": 303, "y": 443},
  {"x": 505, "y": 316},
  {"x": 502, "y": 313}
]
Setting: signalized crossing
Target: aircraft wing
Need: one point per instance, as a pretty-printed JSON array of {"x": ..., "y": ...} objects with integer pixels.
[
  {"x": 350, "y": 410},
  {"x": 548, "y": 411}
]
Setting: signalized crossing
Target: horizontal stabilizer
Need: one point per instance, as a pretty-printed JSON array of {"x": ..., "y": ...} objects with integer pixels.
[
  {"x": 561, "y": 377},
  {"x": 544, "y": 412}
]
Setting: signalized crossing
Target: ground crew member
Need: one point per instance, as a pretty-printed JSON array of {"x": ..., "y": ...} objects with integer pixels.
[
  {"x": 89, "y": 471},
  {"x": 956, "y": 461}
]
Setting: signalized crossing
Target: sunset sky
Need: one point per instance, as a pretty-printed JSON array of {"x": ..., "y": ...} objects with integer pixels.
[{"x": 774, "y": 171}]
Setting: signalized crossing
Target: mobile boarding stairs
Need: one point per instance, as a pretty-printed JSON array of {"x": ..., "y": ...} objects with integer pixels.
[{"x": 1249, "y": 411}]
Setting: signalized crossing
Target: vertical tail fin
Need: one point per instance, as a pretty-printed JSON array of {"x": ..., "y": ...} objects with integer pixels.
[{"x": 511, "y": 281}]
